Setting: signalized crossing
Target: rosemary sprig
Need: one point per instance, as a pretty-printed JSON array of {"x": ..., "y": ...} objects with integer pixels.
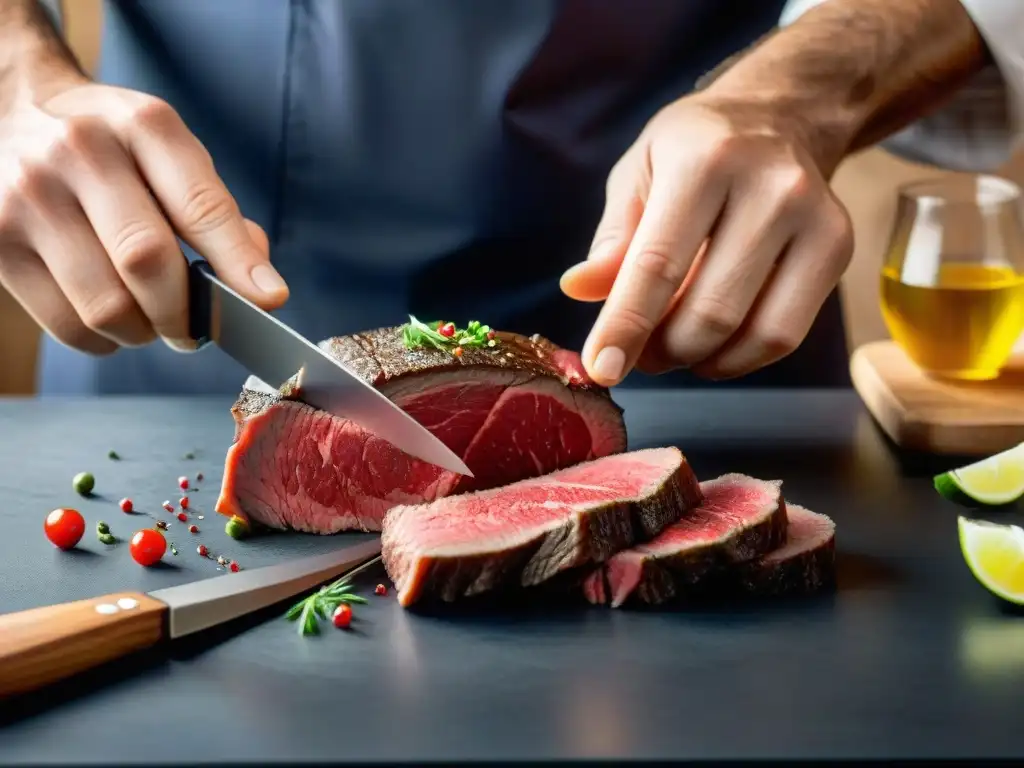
[
  {"x": 417, "y": 334},
  {"x": 321, "y": 604}
]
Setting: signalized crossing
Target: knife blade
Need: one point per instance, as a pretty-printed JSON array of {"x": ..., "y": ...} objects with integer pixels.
[
  {"x": 273, "y": 352},
  {"x": 41, "y": 646}
]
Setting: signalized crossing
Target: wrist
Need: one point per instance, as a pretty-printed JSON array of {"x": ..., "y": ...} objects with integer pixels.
[
  {"x": 35, "y": 65},
  {"x": 824, "y": 124},
  {"x": 848, "y": 73}
]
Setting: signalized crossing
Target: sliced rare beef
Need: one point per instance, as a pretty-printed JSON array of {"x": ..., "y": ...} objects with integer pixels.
[
  {"x": 740, "y": 519},
  {"x": 806, "y": 563},
  {"x": 523, "y": 534},
  {"x": 518, "y": 410}
]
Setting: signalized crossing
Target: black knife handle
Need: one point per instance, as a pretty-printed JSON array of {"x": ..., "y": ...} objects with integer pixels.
[{"x": 200, "y": 302}]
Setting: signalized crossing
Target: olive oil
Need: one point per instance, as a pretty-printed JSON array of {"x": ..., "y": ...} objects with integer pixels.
[{"x": 964, "y": 326}]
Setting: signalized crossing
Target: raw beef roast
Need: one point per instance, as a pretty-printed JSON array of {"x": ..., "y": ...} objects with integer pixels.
[
  {"x": 527, "y": 532},
  {"x": 805, "y": 563},
  {"x": 518, "y": 410},
  {"x": 740, "y": 519}
]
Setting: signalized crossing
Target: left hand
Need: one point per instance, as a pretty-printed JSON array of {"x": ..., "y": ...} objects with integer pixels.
[{"x": 720, "y": 241}]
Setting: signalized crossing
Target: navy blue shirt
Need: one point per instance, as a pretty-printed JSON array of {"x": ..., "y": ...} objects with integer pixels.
[{"x": 442, "y": 158}]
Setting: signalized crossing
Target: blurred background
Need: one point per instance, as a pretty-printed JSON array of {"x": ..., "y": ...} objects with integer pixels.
[{"x": 866, "y": 184}]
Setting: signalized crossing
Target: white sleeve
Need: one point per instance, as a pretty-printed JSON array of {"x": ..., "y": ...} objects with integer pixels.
[{"x": 979, "y": 128}]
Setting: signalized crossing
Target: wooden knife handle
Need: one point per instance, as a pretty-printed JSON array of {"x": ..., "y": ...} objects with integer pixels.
[{"x": 45, "y": 645}]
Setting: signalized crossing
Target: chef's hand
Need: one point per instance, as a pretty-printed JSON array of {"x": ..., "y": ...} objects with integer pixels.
[
  {"x": 95, "y": 184},
  {"x": 720, "y": 240}
]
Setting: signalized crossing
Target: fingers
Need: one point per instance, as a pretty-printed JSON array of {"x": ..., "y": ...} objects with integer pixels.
[
  {"x": 28, "y": 280},
  {"x": 132, "y": 229},
  {"x": 60, "y": 233},
  {"x": 760, "y": 218},
  {"x": 179, "y": 171},
  {"x": 73, "y": 202},
  {"x": 790, "y": 302},
  {"x": 680, "y": 211},
  {"x": 625, "y": 193}
]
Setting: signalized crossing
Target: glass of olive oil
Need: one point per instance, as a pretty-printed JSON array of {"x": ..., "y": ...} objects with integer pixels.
[{"x": 952, "y": 289}]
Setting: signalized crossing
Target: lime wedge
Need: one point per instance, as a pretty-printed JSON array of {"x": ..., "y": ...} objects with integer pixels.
[
  {"x": 995, "y": 555},
  {"x": 994, "y": 481}
]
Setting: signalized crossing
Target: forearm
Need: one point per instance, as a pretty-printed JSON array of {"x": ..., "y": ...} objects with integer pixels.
[
  {"x": 33, "y": 56},
  {"x": 850, "y": 72}
]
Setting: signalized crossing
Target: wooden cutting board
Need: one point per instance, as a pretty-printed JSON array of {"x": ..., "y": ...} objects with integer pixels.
[{"x": 925, "y": 414}]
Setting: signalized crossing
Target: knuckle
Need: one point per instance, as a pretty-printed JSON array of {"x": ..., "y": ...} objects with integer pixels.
[
  {"x": 655, "y": 263},
  {"x": 79, "y": 135},
  {"x": 633, "y": 323},
  {"x": 31, "y": 182},
  {"x": 778, "y": 342},
  {"x": 715, "y": 315},
  {"x": 106, "y": 311},
  {"x": 793, "y": 185},
  {"x": 720, "y": 157},
  {"x": 205, "y": 208},
  {"x": 11, "y": 207},
  {"x": 69, "y": 330},
  {"x": 155, "y": 115},
  {"x": 837, "y": 227},
  {"x": 9, "y": 216},
  {"x": 140, "y": 249},
  {"x": 653, "y": 363}
]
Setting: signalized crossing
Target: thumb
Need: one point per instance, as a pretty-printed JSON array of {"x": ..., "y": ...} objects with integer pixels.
[
  {"x": 258, "y": 236},
  {"x": 277, "y": 297},
  {"x": 592, "y": 280},
  {"x": 273, "y": 291}
]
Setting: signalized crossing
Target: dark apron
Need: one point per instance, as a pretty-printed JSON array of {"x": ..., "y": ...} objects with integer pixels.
[{"x": 445, "y": 159}]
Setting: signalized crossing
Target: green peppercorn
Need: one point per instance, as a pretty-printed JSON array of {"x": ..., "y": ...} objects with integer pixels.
[
  {"x": 236, "y": 528},
  {"x": 83, "y": 483},
  {"x": 107, "y": 538},
  {"x": 102, "y": 527}
]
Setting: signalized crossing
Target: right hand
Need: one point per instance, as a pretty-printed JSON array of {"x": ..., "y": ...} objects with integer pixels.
[{"x": 95, "y": 184}]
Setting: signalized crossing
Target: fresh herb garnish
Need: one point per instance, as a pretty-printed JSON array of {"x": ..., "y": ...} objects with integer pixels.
[
  {"x": 322, "y": 603},
  {"x": 447, "y": 337},
  {"x": 103, "y": 533}
]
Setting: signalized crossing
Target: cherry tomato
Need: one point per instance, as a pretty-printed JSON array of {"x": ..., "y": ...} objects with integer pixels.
[
  {"x": 342, "y": 616},
  {"x": 64, "y": 527},
  {"x": 148, "y": 546}
]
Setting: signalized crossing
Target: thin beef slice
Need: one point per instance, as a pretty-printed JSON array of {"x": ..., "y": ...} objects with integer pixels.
[
  {"x": 740, "y": 519},
  {"x": 521, "y": 409},
  {"x": 525, "y": 533},
  {"x": 806, "y": 563}
]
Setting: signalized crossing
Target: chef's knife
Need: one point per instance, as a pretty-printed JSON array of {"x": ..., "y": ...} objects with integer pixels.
[
  {"x": 45, "y": 645},
  {"x": 273, "y": 352}
]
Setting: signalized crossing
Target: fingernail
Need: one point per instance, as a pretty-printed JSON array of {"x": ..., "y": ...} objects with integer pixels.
[
  {"x": 609, "y": 363},
  {"x": 574, "y": 270},
  {"x": 180, "y": 345},
  {"x": 266, "y": 278}
]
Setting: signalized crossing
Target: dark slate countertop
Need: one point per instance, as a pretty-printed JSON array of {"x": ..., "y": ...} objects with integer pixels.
[{"x": 910, "y": 658}]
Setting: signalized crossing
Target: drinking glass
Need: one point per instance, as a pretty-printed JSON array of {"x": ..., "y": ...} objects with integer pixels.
[{"x": 952, "y": 286}]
